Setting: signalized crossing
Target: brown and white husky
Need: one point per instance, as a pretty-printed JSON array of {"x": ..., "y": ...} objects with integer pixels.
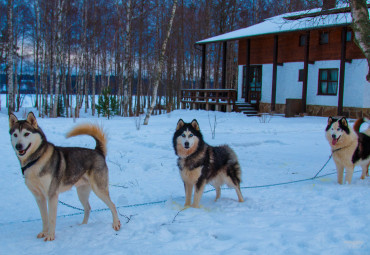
[
  {"x": 349, "y": 146},
  {"x": 49, "y": 170}
]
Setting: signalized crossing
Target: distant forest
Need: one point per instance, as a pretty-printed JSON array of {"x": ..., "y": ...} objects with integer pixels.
[{"x": 81, "y": 47}]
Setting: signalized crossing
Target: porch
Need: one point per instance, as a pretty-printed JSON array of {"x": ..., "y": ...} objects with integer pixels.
[{"x": 209, "y": 99}]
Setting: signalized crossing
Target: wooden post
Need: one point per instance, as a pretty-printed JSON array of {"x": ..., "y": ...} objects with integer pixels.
[
  {"x": 305, "y": 72},
  {"x": 274, "y": 73},
  {"x": 342, "y": 71},
  {"x": 224, "y": 65},
  {"x": 247, "y": 69},
  {"x": 203, "y": 77}
]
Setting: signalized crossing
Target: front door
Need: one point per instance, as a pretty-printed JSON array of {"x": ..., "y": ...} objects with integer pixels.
[{"x": 252, "y": 86}]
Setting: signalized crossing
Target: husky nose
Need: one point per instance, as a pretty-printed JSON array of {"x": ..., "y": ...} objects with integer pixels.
[
  {"x": 186, "y": 144},
  {"x": 18, "y": 146},
  {"x": 333, "y": 136}
]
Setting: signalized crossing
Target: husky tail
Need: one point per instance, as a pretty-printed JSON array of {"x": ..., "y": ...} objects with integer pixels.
[
  {"x": 358, "y": 123},
  {"x": 92, "y": 130}
]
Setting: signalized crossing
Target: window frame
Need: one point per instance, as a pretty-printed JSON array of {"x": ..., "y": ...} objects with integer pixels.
[
  {"x": 321, "y": 41},
  {"x": 350, "y": 35},
  {"x": 300, "y": 75},
  {"x": 319, "y": 88},
  {"x": 302, "y": 40}
]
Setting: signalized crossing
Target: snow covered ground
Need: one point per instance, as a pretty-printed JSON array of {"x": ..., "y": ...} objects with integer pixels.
[{"x": 309, "y": 217}]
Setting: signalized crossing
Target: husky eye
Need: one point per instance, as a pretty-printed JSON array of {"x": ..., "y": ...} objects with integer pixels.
[
  {"x": 26, "y": 134},
  {"x": 183, "y": 135},
  {"x": 191, "y": 135},
  {"x": 338, "y": 129},
  {"x": 15, "y": 135}
]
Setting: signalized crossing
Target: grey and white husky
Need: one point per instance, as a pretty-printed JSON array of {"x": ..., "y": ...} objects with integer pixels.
[
  {"x": 200, "y": 163},
  {"x": 49, "y": 170}
]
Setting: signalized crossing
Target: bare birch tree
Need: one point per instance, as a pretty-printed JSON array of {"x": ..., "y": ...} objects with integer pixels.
[
  {"x": 10, "y": 56},
  {"x": 159, "y": 66},
  {"x": 58, "y": 56},
  {"x": 361, "y": 28}
]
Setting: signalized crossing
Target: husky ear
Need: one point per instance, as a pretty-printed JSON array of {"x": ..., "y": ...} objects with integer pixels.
[
  {"x": 344, "y": 122},
  {"x": 32, "y": 119},
  {"x": 12, "y": 120},
  {"x": 195, "y": 124},
  {"x": 180, "y": 124},
  {"x": 330, "y": 120}
]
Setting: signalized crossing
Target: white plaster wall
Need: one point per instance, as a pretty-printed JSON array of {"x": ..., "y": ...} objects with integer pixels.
[
  {"x": 266, "y": 83},
  {"x": 356, "y": 88},
  {"x": 240, "y": 83},
  {"x": 313, "y": 82},
  {"x": 367, "y": 94},
  {"x": 287, "y": 84},
  {"x": 354, "y": 84}
]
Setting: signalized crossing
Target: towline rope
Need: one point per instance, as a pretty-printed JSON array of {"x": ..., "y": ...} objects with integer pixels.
[
  {"x": 207, "y": 191},
  {"x": 316, "y": 176}
]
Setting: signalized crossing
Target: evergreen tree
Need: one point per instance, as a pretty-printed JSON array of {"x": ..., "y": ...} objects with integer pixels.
[{"x": 107, "y": 104}]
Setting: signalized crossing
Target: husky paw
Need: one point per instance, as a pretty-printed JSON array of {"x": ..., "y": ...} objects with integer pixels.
[
  {"x": 49, "y": 237},
  {"x": 41, "y": 235},
  {"x": 116, "y": 225}
]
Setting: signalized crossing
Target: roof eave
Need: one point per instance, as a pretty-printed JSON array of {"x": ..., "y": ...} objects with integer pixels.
[{"x": 272, "y": 33}]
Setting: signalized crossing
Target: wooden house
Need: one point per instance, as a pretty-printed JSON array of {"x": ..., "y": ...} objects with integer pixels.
[{"x": 301, "y": 63}]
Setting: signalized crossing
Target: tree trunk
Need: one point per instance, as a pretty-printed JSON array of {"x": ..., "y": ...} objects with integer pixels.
[
  {"x": 10, "y": 57},
  {"x": 159, "y": 66},
  {"x": 58, "y": 55},
  {"x": 37, "y": 46},
  {"x": 93, "y": 67},
  {"x": 361, "y": 28}
]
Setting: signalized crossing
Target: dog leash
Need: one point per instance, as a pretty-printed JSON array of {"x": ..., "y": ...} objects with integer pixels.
[
  {"x": 322, "y": 168},
  {"x": 331, "y": 155}
]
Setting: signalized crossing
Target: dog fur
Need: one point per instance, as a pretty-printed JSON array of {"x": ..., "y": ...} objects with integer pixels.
[
  {"x": 349, "y": 147},
  {"x": 49, "y": 170},
  {"x": 200, "y": 163}
]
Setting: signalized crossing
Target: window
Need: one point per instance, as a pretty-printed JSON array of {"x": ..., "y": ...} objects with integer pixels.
[
  {"x": 324, "y": 38},
  {"x": 349, "y": 36},
  {"x": 300, "y": 74},
  {"x": 302, "y": 40},
  {"x": 328, "y": 82}
]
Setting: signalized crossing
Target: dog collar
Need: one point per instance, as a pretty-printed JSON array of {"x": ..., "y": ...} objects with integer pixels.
[
  {"x": 336, "y": 150},
  {"x": 29, "y": 165}
]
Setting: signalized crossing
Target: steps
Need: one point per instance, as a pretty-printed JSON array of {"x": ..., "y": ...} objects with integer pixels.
[{"x": 246, "y": 108}]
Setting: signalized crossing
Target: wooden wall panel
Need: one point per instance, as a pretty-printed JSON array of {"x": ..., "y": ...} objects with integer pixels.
[{"x": 290, "y": 51}]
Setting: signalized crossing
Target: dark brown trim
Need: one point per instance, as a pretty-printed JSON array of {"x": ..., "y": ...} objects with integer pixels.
[
  {"x": 305, "y": 71},
  {"x": 247, "y": 69},
  {"x": 203, "y": 75},
  {"x": 342, "y": 70},
  {"x": 224, "y": 46},
  {"x": 274, "y": 73}
]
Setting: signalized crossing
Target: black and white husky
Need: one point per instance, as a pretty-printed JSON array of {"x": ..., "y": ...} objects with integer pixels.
[
  {"x": 349, "y": 146},
  {"x": 49, "y": 170},
  {"x": 200, "y": 163}
]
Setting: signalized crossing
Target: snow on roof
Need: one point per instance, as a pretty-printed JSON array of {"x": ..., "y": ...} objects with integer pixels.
[{"x": 282, "y": 23}]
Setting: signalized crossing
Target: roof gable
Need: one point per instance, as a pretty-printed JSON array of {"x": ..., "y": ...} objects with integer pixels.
[{"x": 288, "y": 22}]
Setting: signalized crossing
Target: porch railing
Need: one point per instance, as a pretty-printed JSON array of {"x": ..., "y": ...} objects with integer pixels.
[{"x": 209, "y": 99}]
